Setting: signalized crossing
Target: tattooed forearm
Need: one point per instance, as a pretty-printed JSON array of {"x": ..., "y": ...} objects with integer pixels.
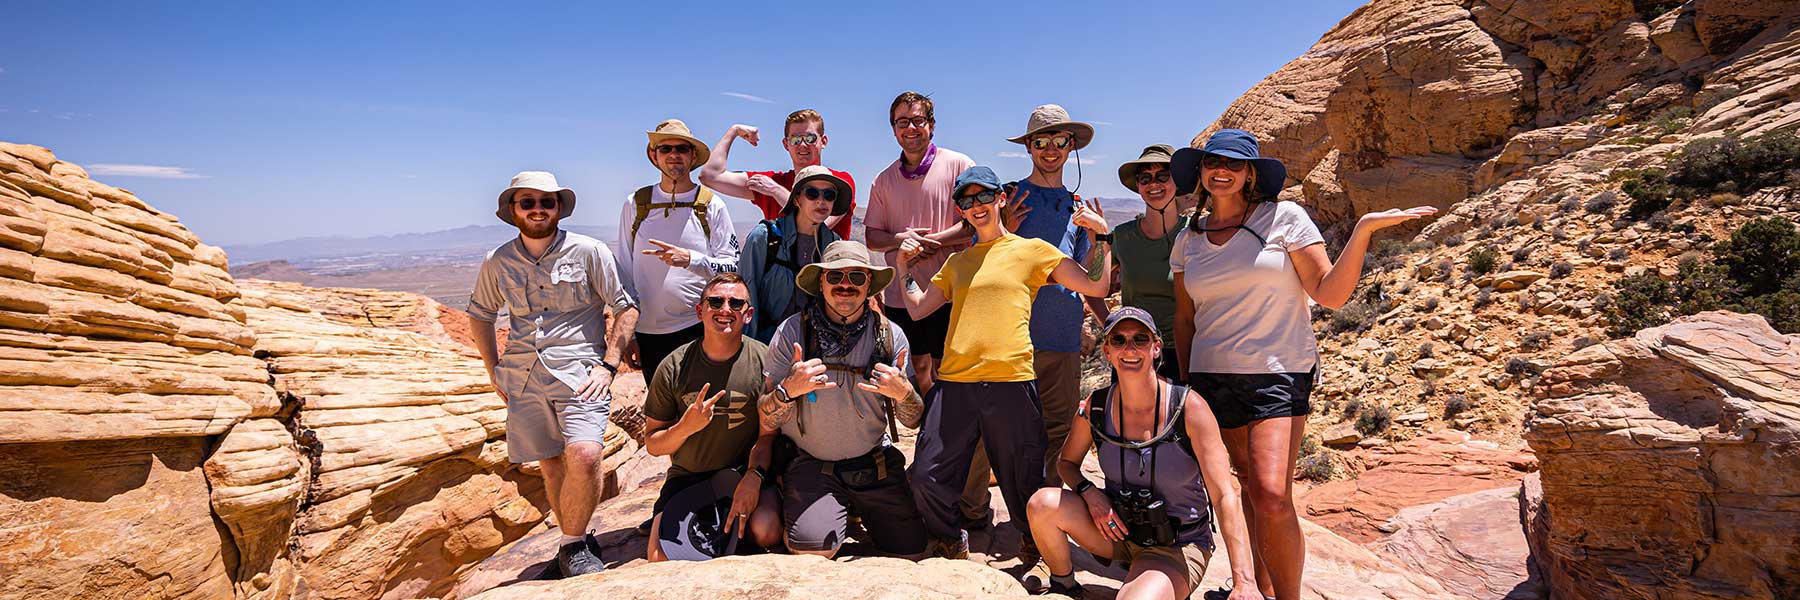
[
  {"x": 775, "y": 411},
  {"x": 910, "y": 410}
]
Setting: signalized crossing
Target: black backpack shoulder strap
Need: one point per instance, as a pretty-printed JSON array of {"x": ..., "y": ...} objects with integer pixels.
[
  {"x": 1177, "y": 404},
  {"x": 1094, "y": 409}
]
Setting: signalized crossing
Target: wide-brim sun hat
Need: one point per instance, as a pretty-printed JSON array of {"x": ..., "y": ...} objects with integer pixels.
[
  {"x": 1184, "y": 167},
  {"x": 693, "y": 524},
  {"x": 674, "y": 129},
  {"x": 845, "y": 193},
  {"x": 976, "y": 175},
  {"x": 843, "y": 254},
  {"x": 1155, "y": 154},
  {"x": 1128, "y": 313},
  {"x": 1050, "y": 117},
  {"x": 541, "y": 181}
]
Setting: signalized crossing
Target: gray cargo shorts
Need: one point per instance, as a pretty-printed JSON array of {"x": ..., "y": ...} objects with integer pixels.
[{"x": 546, "y": 416}]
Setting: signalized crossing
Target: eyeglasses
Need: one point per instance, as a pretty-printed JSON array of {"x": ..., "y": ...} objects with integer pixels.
[
  {"x": 1214, "y": 161},
  {"x": 546, "y": 203},
  {"x": 803, "y": 139},
  {"x": 1118, "y": 340},
  {"x": 985, "y": 197},
  {"x": 919, "y": 122},
  {"x": 857, "y": 278},
  {"x": 718, "y": 303},
  {"x": 1158, "y": 177},
  {"x": 1061, "y": 142},
  {"x": 675, "y": 149},
  {"x": 828, "y": 195}
]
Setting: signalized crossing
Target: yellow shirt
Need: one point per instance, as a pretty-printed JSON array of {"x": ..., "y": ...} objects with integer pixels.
[{"x": 991, "y": 286}]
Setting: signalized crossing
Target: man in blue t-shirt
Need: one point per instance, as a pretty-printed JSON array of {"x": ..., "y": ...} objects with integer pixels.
[{"x": 1045, "y": 210}]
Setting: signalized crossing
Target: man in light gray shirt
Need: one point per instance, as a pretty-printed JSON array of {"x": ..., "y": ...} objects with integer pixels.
[
  {"x": 559, "y": 362},
  {"x": 843, "y": 380}
]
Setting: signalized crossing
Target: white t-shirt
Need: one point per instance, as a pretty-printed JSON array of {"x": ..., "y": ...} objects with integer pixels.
[
  {"x": 666, "y": 295},
  {"x": 1250, "y": 312}
]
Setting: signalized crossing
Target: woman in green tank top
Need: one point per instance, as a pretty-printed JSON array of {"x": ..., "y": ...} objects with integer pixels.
[{"x": 1141, "y": 249}]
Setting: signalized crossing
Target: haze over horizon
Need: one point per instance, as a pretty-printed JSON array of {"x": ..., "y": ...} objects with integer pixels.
[{"x": 255, "y": 124}]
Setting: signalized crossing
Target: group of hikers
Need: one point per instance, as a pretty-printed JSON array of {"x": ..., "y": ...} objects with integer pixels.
[{"x": 780, "y": 370}]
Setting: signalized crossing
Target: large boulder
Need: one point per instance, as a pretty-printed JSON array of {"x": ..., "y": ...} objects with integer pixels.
[
  {"x": 1670, "y": 464},
  {"x": 774, "y": 577}
]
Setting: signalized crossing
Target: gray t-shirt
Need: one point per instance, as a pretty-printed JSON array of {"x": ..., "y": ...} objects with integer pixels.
[
  {"x": 1250, "y": 311},
  {"x": 842, "y": 422}
]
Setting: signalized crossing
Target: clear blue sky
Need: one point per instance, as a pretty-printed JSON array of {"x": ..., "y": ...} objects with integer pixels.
[{"x": 302, "y": 119}]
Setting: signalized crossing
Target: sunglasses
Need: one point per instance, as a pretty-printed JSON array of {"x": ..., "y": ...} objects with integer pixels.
[
  {"x": 1061, "y": 142},
  {"x": 675, "y": 149},
  {"x": 718, "y": 303},
  {"x": 1158, "y": 177},
  {"x": 547, "y": 203},
  {"x": 985, "y": 197},
  {"x": 800, "y": 139},
  {"x": 813, "y": 193},
  {"x": 1214, "y": 161},
  {"x": 856, "y": 278},
  {"x": 919, "y": 122},
  {"x": 1140, "y": 340}
]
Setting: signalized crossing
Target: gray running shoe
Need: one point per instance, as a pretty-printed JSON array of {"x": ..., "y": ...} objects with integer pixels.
[{"x": 579, "y": 558}]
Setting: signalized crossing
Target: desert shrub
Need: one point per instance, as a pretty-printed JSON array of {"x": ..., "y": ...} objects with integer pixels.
[
  {"x": 1445, "y": 270},
  {"x": 1374, "y": 420},
  {"x": 1618, "y": 253},
  {"x": 1761, "y": 255},
  {"x": 1649, "y": 193},
  {"x": 1739, "y": 165},
  {"x": 1353, "y": 407},
  {"x": 1483, "y": 259},
  {"x": 1535, "y": 340},
  {"x": 1672, "y": 119},
  {"x": 1426, "y": 350},
  {"x": 1454, "y": 239},
  {"x": 1782, "y": 309},
  {"x": 1661, "y": 221},
  {"x": 1317, "y": 467},
  {"x": 1601, "y": 203},
  {"x": 1430, "y": 304},
  {"x": 1568, "y": 205},
  {"x": 1455, "y": 405},
  {"x": 1561, "y": 269},
  {"x": 1521, "y": 253},
  {"x": 1353, "y": 317},
  {"x": 1484, "y": 297},
  {"x": 1388, "y": 358},
  {"x": 1638, "y": 301},
  {"x": 1519, "y": 367},
  {"x": 1702, "y": 286},
  {"x": 1651, "y": 9}
]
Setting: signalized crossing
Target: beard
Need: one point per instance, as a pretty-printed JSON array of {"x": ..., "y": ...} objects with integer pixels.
[{"x": 538, "y": 230}]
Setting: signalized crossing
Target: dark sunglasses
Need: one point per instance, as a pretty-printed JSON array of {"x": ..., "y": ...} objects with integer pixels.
[
  {"x": 547, "y": 203},
  {"x": 1061, "y": 142},
  {"x": 675, "y": 149},
  {"x": 718, "y": 303},
  {"x": 1214, "y": 161},
  {"x": 857, "y": 278},
  {"x": 1158, "y": 177},
  {"x": 913, "y": 122},
  {"x": 1119, "y": 340},
  {"x": 803, "y": 139},
  {"x": 828, "y": 195},
  {"x": 985, "y": 197}
]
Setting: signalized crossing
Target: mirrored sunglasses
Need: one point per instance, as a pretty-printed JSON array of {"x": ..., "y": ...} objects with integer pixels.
[
  {"x": 1060, "y": 141},
  {"x": 803, "y": 139}
]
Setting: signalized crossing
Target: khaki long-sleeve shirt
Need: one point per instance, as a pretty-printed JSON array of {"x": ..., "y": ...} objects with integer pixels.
[{"x": 556, "y": 306}]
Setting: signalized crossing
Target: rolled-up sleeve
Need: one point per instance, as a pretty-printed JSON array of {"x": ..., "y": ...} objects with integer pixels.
[
  {"x": 608, "y": 282},
  {"x": 485, "y": 301}
]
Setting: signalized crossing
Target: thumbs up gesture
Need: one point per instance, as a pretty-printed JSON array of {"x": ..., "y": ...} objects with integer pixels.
[{"x": 806, "y": 376}]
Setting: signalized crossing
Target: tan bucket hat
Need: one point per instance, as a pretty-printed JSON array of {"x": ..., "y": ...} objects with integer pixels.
[
  {"x": 1051, "y": 117},
  {"x": 541, "y": 181},
  {"x": 674, "y": 129},
  {"x": 1155, "y": 154},
  {"x": 843, "y": 254},
  {"x": 845, "y": 193}
]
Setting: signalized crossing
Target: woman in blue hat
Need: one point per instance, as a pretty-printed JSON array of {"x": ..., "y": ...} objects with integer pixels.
[{"x": 1244, "y": 270}]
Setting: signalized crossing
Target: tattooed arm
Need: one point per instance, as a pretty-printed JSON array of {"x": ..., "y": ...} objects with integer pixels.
[{"x": 775, "y": 408}]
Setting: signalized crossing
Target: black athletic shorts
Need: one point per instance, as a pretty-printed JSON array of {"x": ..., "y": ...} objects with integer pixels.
[
  {"x": 1239, "y": 398},
  {"x": 925, "y": 336}
]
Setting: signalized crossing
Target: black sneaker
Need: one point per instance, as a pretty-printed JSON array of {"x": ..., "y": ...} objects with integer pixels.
[
  {"x": 1072, "y": 591},
  {"x": 578, "y": 558}
]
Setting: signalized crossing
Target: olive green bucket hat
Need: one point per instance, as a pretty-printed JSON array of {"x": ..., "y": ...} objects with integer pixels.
[{"x": 1155, "y": 154}]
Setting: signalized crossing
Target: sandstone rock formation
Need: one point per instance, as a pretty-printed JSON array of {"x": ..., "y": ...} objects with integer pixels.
[
  {"x": 1671, "y": 464},
  {"x": 169, "y": 434},
  {"x": 775, "y": 577},
  {"x": 1416, "y": 472},
  {"x": 1470, "y": 543}
]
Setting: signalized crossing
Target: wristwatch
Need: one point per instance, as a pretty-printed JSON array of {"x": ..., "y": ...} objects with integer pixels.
[
  {"x": 1084, "y": 486},
  {"x": 761, "y": 473},
  {"x": 1103, "y": 237},
  {"x": 786, "y": 397},
  {"x": 609, "y": 368}
]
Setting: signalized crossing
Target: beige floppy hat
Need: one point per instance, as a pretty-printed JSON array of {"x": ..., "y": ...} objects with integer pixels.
[
  {"x": 843, "y": 254},
  {"x": 1051, "y": 117},
  {"x": 674, "y": 129},
  {"x": 845, "y": 193},
  {"x": 1155, "y": 154},
  {"x": 541, "y": 181}
]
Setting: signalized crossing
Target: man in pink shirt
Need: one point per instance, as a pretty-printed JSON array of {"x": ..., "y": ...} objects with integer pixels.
[{"x": 911, "y": 199}]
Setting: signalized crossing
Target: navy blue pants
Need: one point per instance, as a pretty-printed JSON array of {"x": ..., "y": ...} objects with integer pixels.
[{"x": 1009, "y": 417}]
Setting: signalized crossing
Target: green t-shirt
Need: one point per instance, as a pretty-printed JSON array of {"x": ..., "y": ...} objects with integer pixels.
[
  {"x": 1144, "y": 277},
  {"x": 726, "y": 441}
]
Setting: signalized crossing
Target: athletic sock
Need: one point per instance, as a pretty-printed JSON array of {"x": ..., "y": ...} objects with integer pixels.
[
  {"x": 570, "y": 539},
  {"x": 1067, "y": 581}
]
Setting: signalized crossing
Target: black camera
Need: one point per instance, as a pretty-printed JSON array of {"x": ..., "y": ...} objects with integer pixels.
[{"x": 1145, "y": 516}]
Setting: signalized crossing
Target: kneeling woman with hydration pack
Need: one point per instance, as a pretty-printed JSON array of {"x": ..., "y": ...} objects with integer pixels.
[{"x": 1167, "y": 475}]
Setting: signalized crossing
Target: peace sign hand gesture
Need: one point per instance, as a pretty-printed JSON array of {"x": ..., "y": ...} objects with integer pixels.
[
  {"x": 1089, "y": 215},
  {"x": 670, "y": 254},
  {"x": 700, "y": 413}
]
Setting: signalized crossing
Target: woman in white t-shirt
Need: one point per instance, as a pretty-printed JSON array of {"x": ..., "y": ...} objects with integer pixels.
[{"x": 1244, "y": 271}]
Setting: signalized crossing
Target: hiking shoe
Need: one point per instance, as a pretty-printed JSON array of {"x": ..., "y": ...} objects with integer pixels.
[
  {"x": 854, "y": 530},
  {"x": 578, "y": 558},
  {"x": 957, "y": 549},
  {"x": 1073, "y": 591}
]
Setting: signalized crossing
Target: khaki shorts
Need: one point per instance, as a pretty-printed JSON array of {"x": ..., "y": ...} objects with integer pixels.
[
  {"x": 546, "y": 416},
  {"x": 1186, "y": 558}
]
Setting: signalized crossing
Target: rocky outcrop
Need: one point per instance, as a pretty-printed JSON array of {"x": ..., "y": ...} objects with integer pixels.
[
  {"x": 1470, "y": 543},
  {"x": 1416, "y": 472},
  {"x": 775, "y": 577},
  {"x": 1671, "y": 464},
  {"x": 1432, "y": 101}
]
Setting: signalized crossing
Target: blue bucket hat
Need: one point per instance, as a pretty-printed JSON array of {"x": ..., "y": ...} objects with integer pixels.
[
  {"x": 1184, "y": 167},
  {"x": 977, "y": 175}
]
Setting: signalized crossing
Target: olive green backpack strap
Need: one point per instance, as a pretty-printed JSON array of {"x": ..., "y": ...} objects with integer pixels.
[
  {"x": 701, "y": 201},
  {"x": 641, "y": 201}
]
